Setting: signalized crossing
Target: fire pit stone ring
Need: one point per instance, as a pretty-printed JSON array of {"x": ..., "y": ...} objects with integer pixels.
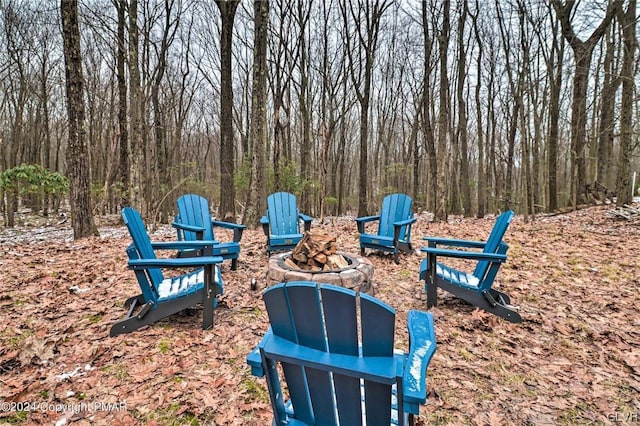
[{"x": 357, "y": 276}]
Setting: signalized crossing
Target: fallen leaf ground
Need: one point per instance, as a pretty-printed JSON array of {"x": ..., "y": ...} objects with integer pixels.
[{"x": 575, "y": 359}]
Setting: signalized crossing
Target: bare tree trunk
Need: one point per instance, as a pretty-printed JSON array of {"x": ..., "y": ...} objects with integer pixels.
[
  {"x": 623, "y": 182},
  {"x": 258, "y": 190},
  {"x": 305, "y": 113},
  {"x": 429, "y": 135},
  {"x": 123, "y": 140},
  {"x": 227, "y": 148},
  {"x": 137, "y": 164},
  {"x": 607, "y": 114},
  {"x": 161, "y": 178},
  {"x": 465, "y": 181},
  {"x": 481, "y": 178},
  {"x": 441, "y": 212},
  {"x": 554, "y": 68},
  {"x": 77, "y": 152},
  {"x": 368, "y": 14},
  {"x": 582, "y": 52},
  {"x": 45, "y": 130}
]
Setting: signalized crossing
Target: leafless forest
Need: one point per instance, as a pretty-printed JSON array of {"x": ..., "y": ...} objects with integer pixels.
[{"x": 470, "y": 107}]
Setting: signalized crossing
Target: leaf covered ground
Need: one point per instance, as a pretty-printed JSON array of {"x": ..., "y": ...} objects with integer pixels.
[{"x": 575, "y": 359}]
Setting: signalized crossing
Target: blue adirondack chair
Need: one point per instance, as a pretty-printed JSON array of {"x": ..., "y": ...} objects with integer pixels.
[
  {"x": 160, "y": 296},
  {"x": 394, "y": 226},
  {"x": 333, "y": 375},
  {"x": 476, "y": 287},
  {"x": 281, "y": 224},
  {"x": 193, "y": 222}
]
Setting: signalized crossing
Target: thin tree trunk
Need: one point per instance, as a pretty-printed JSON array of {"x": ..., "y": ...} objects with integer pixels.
[
  {"x": 227, "y": 148},
  {"x": 258, "y": 190},
  {"x": 429, "y": 135},
  {"x": 123, "y": 140},
  {"x": 368, "y": 14},
  {"x": 465, "y": 181},
  {"x": 623, "y": 182},
  {"x": 554, "y": 68},
  {"x": 137, "y": 164},
  {"x": 481, "y": 178},
  {"x": 77, "y": 151},
  {"x": 582, "y": 52},
  {"x": 607, "y": 112},
  {"x": 441, "y": 212}
]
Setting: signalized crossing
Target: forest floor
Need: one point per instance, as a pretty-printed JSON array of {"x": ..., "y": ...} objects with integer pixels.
[{"x": 575, "y": 358}]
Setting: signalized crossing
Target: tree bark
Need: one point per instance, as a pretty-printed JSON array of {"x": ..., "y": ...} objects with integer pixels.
[
  {"x": 582, "y": 52},
  {"x": 77, "y": 151},
  {"x": 137, "y": 164},
  {"x": 427, "y": 125},
  {"x": 368, "y": 14},
  {"x": 256, "y": 204},
  {"x": 554, "y": 68},
  {"x": 441, "y": 211},
  {"x": 227, "y": 148},
  {"x": 481, "y": 178},
  {"x": 610, "y": 86},
  {"x": 623, "y": 182},
  {"x": 465, "y": 181},
  {"x": 123, "y": 139}
]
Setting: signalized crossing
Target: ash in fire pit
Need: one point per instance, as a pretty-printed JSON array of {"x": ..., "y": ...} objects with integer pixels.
[{"x": 316, "y": 258}]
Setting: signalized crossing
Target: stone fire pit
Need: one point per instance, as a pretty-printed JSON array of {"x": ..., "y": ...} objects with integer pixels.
[{"x": 357, "y": 276}]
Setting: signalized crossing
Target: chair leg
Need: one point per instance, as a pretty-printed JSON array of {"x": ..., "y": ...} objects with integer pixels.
[
  {"x": 411, "y": 421},
  {"x": 135, "y": 301},
  {"x": 234, "y": 264},
  {"x": 208, "y": 296},
  {"x": 431, "y": 281}
]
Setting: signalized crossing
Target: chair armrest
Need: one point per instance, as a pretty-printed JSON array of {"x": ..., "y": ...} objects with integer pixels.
[
  {"x": 227, "y": 225},
  {"x": 305, "y": 218},
  {"x": 461, "y": 254},
  {"x": 183, "y": 245},
  {"x": 237, "y": 228},
  {"x": 404, "y": 222},
  {"x": 360, "y": 221},
  {"x": 454, "y": 242},
  {"x": 264, "y": 221},
  {"x": 174, "y": 263},
  {"x": 185, "y": 227},
  {"x": 422, "y": 346},
  {"x": 255, "y": 361},
  {"x": 367, "y": 218}
]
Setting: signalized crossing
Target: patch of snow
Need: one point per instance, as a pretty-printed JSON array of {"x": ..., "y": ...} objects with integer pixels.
[
  {"x": 74, "y": 289},
  {"x": 415, "y": 369},
  {"x": 76, "y": 372}
]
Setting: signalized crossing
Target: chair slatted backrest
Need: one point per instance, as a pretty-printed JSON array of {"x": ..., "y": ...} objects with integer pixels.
[
  {"x": 143, "y": 250},
  {"x": 395, "y": 207},
  {"x": 494, "y": 243},
  {"x": 194, "y": 210},
  {"x": 326, "y": 320},
  {"x": 282, "y": 211}
]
